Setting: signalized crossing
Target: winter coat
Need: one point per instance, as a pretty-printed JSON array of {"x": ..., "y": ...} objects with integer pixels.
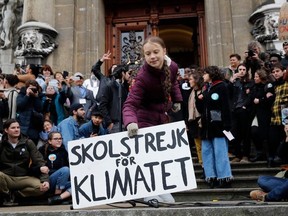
[
  {"x": 146, "y": 103},
  {"x": 215, "y": 110},
  {"x": 29, "y": 114},
  {"x": 55, "y": 158},
  {"x": 110, "y": 105},
  {"x": 16, "y": 161}
]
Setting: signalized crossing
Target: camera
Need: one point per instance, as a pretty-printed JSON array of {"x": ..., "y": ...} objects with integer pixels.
[
  {"x": 251, "y": 53},
  {"x": 34, "y": 90}
]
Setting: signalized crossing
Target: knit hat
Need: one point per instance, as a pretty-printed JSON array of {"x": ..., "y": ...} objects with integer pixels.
[{"x": 75, "y": 107}]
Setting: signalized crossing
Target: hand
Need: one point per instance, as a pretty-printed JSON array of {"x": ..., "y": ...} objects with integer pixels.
[
  {"x": 176, "y": 107},
  {"x": 269, "y": 94},
  {"x": 106, "y": 56},
  {"x": 286, "y": 130},
  {"x": 44, "y": 169},
  {"x": 110, "y": 126},
  {"x": 132, "y": 129},
  {"x": 256, "y": 101},
  {"x": 44, "y": 186}
]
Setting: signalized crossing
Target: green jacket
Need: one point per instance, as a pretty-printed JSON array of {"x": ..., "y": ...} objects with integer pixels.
[{"x": 17, "y": 161}]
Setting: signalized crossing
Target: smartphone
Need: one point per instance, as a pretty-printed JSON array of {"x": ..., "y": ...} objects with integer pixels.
[{"x": 65, "y": 74}]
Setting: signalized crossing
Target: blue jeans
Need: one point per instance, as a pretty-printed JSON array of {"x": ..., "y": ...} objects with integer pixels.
[
  {"x": 60, "y": 180},
  {"x": 277, "y": 188},
  {"x": 215, "y": 159}
]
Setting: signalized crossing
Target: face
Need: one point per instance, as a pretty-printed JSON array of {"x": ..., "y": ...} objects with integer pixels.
[
  {"x": 13, "y": 131},
  {"x": 277, "y": 73},
  {"x": 234, "y": 62},
  {"x": 285, "y": 48},
  {"x": 56, "y": 140},
  {"x": 206, "y": 77},
  {"x": 47, "y": 126},
  {"x": 274, "y": 60},
  {"x": 126, "y": 75},
  {"x": 27, "y": 69},
  {"x": 59, "y": 76},
  {"x": 242, "y": 71},
  {"x": 80, "y": 113},
  {"x": 256, "y": 50},
  {"x": 192, "y": 81},
  {"x": 257, "y": 78},
  {"x": 46, "y": 73},
  {"x": 50, "y": 90},
  {"x": 97, "y": 120},
  {"x": 154, "y": 54},
  {"x": 79, "y": 82}
]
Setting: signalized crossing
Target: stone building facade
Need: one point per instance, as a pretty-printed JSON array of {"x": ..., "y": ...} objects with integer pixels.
[{"x": 85, "y": 29}]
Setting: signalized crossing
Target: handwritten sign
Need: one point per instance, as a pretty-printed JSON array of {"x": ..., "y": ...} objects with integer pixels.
[{"x": 114, "y": 167}]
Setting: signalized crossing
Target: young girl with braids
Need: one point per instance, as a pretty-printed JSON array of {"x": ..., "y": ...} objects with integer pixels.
[{"x": 153, "y": 93}]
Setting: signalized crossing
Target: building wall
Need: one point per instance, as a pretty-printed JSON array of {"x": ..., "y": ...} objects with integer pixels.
[
  {"x": 228, "y": 29},
  {"x": 81, "y": 31}
]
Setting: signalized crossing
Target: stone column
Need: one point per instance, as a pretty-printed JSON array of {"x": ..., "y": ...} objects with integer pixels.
[
  {"x": 227, "y": 28},
  {"x": 39, "y": 10}
]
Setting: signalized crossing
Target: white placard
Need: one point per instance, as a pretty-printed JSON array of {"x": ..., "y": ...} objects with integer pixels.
[{"x": 113, "y": 168}]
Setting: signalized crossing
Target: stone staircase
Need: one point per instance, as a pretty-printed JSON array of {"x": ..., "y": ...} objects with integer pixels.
[{"x": 245, "y": 180}]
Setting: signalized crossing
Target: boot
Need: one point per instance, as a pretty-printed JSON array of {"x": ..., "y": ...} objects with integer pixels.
[{"x": 55, "y": 200}]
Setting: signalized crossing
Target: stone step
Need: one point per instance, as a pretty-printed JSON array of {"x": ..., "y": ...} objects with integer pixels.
[
  {"x": 242, "y": 172},
  {"x": 216, "y": 194},
  {"x": 258, "y": 164},
  {"x": 238, "y": 182}
]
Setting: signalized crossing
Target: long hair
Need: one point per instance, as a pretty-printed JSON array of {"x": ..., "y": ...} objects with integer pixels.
[{"x": 166, "y": 85}]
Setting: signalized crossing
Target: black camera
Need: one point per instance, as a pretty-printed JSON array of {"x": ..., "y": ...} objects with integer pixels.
[
  {"x": 34, "y": 90},
  {"x": 251, "y": 53}
]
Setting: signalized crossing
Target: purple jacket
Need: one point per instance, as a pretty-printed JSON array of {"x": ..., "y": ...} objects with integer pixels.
[{"x": 146, "y": 104}]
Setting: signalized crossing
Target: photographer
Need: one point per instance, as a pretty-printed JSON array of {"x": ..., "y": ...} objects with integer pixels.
[
  {"x": 254, "y": 58},
  {"x": 29, "y": 109},
  {"x": 113, "y": 97}
]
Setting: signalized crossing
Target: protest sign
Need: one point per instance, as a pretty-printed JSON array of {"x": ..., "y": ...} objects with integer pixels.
[{"x": 114, "y": 167}]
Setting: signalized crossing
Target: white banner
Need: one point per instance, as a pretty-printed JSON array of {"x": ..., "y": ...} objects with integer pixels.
[{"x": 114, "y": 167}]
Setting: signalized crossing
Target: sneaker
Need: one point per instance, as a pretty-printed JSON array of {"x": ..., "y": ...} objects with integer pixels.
[
  {"x": 235, "y": 160},
  {"x": 244, "y": 160},
  {"x": 258, "y": 195}
]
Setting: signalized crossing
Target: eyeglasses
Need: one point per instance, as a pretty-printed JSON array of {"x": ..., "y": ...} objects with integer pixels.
[
  {"x": 285, "y": 43},
  {"x": 57, "y": 138}
]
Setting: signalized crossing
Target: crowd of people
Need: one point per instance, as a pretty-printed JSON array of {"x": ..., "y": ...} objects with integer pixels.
[{"x": 225, "y": 109}]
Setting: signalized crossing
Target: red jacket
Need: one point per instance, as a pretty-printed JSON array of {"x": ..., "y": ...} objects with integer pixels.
[{"x": 146, "y": 104}]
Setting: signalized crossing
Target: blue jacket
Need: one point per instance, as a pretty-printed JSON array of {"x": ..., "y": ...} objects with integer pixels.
[
  {"x": 87, "y": 129},
  {"x": 69, "y": 128}
]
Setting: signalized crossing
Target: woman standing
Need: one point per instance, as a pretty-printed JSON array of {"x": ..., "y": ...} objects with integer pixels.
[
  {"x": 213, "y": 104},
  {"x": 241, "y": 88},
  {"x": 151, "y": 97},
  {"x": 194, "y": 118}
]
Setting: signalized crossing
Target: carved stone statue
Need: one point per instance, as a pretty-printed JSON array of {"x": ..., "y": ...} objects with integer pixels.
[
  {"x": 8, "y": 21},
  {"x": 36, "y": 39}
]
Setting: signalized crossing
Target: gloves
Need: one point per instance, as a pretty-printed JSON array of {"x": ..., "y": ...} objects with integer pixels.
[
  {"x": 176, "y": 107},
  {"x": 132, "y": 129}
]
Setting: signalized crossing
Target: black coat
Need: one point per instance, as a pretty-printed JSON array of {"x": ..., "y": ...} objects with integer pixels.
[
  {"x": 215, "y": 100},
  {"x": 262, "y": 110},
  {"x": 60, "y": 155}
]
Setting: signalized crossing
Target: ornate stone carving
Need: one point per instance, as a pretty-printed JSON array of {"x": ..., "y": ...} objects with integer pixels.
[
  {"x": 131, "y": 47},
  {"x": 11, "y": 13},
  {"x": 266, "y": 28},
  {"x": 265, "y": 24},
  {"x": 36, "y": 39}
]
